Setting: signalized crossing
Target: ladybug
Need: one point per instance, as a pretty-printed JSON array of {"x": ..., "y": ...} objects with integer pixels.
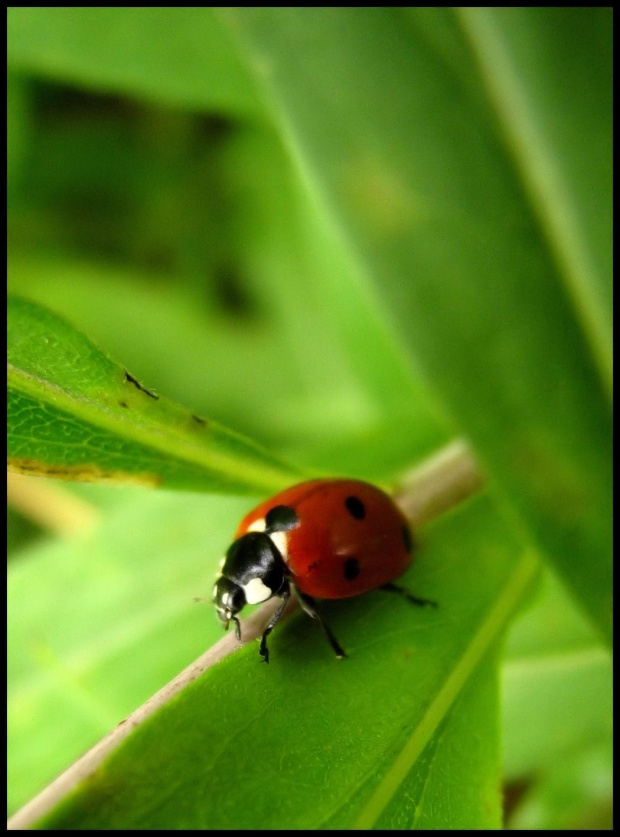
[{"x": 327, "y": 538}]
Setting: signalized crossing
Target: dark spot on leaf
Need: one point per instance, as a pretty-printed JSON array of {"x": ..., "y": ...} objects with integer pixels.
[
  {"x": 81, "y": 473},
  {"x": 355, "y": 507},
  {"x": 131, "y": 380},
  {"x": 351, "y": 568},
  {"x": 199, "y": 420}
]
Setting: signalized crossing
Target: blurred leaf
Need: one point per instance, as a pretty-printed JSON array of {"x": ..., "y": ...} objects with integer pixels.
[
  {"x": 417, "y": 687},
  {"x": 556, "y": 685},
  {"x": 18, "y": 133},
  {"x": 315, "y": 368},
  {"x": 74, "y": 414},
  {"x": 20, "y": 532},
  {"x": 503, "y": 317},
  {"x": 548, "y": 77},
  {"x": 576, "y": 794},
  {"x": 180, "y": 56}
]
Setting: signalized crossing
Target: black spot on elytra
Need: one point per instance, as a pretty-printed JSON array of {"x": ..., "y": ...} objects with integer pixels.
[
  {"x": 407, "y": 538},
  {"x": 281, "y": 519},
  {"x": 355, "y": 507},
  {"x": 351, "y": 568},
  {"x": 131, "y": 380}
]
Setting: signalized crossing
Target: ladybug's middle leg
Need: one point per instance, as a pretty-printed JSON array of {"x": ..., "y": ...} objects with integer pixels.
[{"x": 309, "y": 605}]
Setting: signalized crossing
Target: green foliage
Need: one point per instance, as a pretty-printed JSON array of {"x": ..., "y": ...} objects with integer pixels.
[
  {"x": 349, "y": 235},
  {"x": 183, "y": 59},
  {"x": 75, "y": 414}
]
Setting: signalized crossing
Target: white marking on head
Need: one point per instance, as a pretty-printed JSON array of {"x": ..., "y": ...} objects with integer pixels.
[
  {"x": 225, "y": 600},
  {"x": 222, "y": 562},
  {"x": 280, "y": 542},
  {"x": 214, "y": 593},
  {"x": 255, "y": 591},
  {"x": 257, "y": 525}
]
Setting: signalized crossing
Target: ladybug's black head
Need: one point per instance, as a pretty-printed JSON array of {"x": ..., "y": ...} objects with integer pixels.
[
  {"x": 229, "y": 599},
  {"x": 252, "y": 572}
]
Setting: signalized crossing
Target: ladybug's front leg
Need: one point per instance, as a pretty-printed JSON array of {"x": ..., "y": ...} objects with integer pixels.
[
  {"x": 309, "y": 606},
  {"x": 284, "y": 593}
]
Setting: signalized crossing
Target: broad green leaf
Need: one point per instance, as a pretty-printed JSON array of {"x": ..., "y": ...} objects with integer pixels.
[
  {"x": 576, "y": 794},
  {"x": 466, "y": 748},
  {"x": 180, "y": 56},
  {"x": 397, "y": 126},
  {"x": 311, "y": 740},
  {"x": 556, "y": 685},
  {"x": 75, "y": 414},
  {"x": 562, "y": 146}
]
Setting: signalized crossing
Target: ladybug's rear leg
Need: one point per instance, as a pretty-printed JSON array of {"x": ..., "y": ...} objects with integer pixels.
[
  {"x": 284, "y": 593},
  {"x": 394, "y": 588},
  {"x": 309, "y": 605}
]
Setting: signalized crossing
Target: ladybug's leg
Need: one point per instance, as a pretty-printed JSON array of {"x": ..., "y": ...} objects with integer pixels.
[
  {"x": 394, "y": 588},
  {"x": 285, "y": 592},
  {"x": 309, "y": 606}
]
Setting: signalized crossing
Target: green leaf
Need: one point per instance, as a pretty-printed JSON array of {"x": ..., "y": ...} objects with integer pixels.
[
  {"x": 468, "y": 233},
  {"x": 180, "y": 56},
  {"x": 556, "y": 685},
  {"x": 465, "y": 748},
  {"x": 576, "y": 794},
  {"x": 312, "y": 741},
  {"x": 75, "y": 414}
]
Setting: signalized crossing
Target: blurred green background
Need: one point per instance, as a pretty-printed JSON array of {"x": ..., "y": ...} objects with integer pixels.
[
  {"x": 161, "y": 203},
  {"x": 176, "y": 234}
]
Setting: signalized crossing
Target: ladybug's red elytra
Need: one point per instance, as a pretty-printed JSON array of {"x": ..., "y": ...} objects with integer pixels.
[{"x": 327, "y": 538}]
